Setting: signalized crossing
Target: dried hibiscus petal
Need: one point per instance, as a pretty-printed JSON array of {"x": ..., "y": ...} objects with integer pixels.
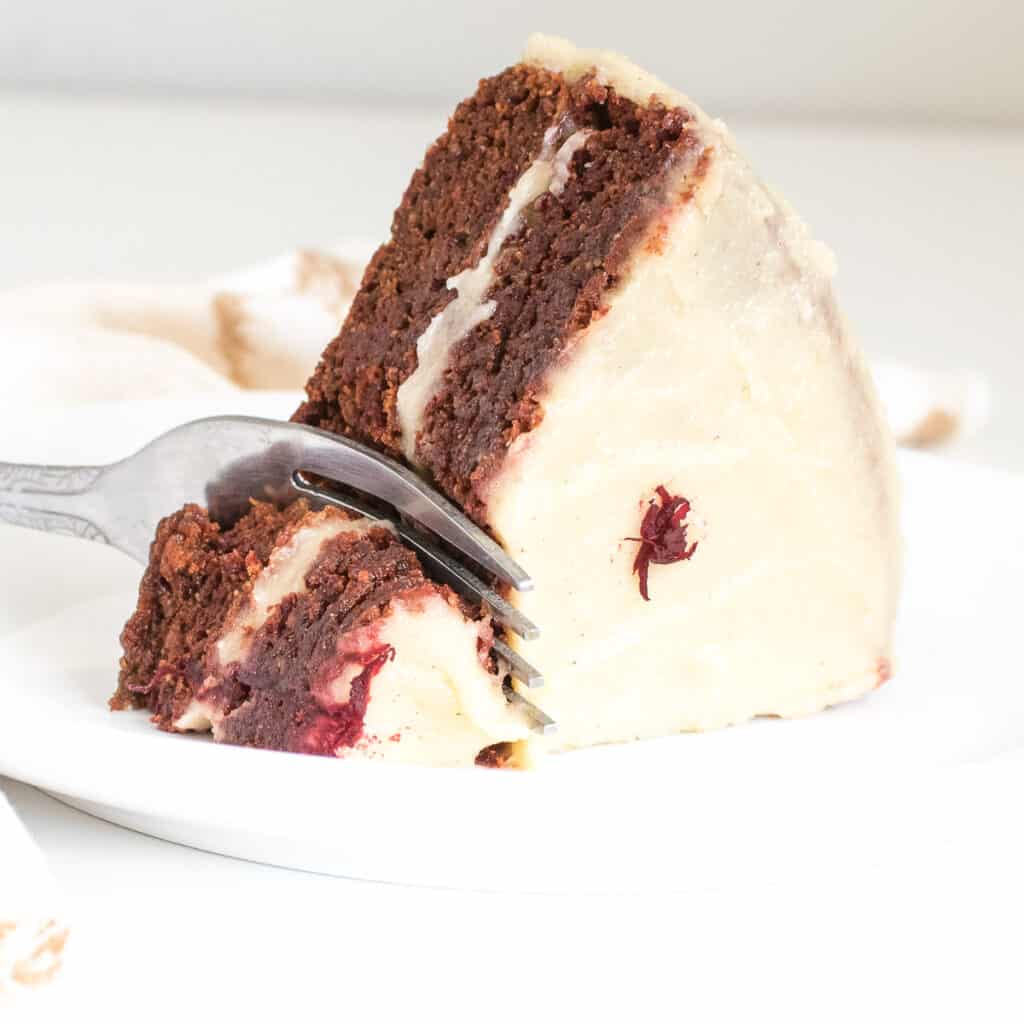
[{"x": 662, "y": 536}]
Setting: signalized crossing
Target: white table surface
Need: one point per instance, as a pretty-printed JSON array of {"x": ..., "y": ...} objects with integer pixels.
[{"x": 927, "y": 227}]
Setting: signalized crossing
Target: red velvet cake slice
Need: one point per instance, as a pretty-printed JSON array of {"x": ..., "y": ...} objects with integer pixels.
[
  {"x": 312, "y": 632},
  {"x": 596, "y": 330},
  {"x": 601, "y": 334}
]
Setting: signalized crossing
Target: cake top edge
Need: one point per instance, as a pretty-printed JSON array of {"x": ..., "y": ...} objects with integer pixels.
[{"x": 628, "y": 79}]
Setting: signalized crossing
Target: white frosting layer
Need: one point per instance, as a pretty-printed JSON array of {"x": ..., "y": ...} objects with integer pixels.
[
  {"x": 724, "y": 372},
  {"x": 199, "y": 716},
  {"x": 434, "y": 703},
  {"x": 627, "y": 78},
  {"x": 470, "y": 308},
  {"x": 563, "y": 160}
]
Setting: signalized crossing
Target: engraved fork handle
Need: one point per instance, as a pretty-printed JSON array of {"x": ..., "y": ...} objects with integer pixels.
[{"x": 55, "y": 499}]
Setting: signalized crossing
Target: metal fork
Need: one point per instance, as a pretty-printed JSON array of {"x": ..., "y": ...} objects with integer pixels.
[{"x": 223, "y": 462}]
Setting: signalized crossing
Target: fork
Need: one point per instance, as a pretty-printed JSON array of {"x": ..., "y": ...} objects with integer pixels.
[{"x": 225, "y": 461}]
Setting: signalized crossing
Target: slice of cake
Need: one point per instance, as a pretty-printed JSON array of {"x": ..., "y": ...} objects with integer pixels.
[
  {"x": 600, "y": 334},
  {"x": 312, "y": 632},
  {"x": 596, "y": 330}
]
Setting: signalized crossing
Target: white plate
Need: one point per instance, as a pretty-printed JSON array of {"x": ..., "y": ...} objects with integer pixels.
[{"x": 935, "y": 749}]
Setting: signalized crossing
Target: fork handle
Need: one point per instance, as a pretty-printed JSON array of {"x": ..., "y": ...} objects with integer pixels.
[{"x": 54, "y": 499}]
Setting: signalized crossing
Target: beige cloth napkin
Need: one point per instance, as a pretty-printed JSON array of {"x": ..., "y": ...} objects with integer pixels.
[
  {"x": 265, "y": 327},
  {"x": 32, "y": 932},
  {"x": 262, "y": 327}
]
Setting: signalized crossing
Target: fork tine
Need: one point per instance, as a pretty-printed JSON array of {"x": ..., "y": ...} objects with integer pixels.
[
  {"x": 456, "y": 576},
  {"x": 367, "y": 470},
  {"x": 542, "y": 723},
  {"x": 467, "y": 584},
  {"x": 464, "y": 582},
  {"x": 520, "y": 668}
]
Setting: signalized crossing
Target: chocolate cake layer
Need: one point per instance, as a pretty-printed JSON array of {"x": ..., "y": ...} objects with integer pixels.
[
  {"x": 195, "y": 573},
  {"x": 566, "y": 252},
  {"x": 441, "y": 227},
  {"x": 350, "y": 586},
  {"x": 199, "y": 575}
]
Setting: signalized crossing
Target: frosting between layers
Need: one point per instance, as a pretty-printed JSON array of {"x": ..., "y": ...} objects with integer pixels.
[
  {"x": 548, "y": 173},
  {"x": 284, "y": 574}
]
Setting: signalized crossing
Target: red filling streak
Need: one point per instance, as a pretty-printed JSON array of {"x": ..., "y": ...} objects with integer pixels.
[
  {"x": 342, "y": 725},
  {"x": 662, "y": 536}
]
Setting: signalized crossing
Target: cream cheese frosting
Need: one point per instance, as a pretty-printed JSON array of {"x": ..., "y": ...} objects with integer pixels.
[
  {"x": 724, "y": 372},
  {"x": 434, "y": 702}
]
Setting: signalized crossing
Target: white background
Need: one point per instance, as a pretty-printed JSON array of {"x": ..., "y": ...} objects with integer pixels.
[{"x": 892, "y": 59}]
